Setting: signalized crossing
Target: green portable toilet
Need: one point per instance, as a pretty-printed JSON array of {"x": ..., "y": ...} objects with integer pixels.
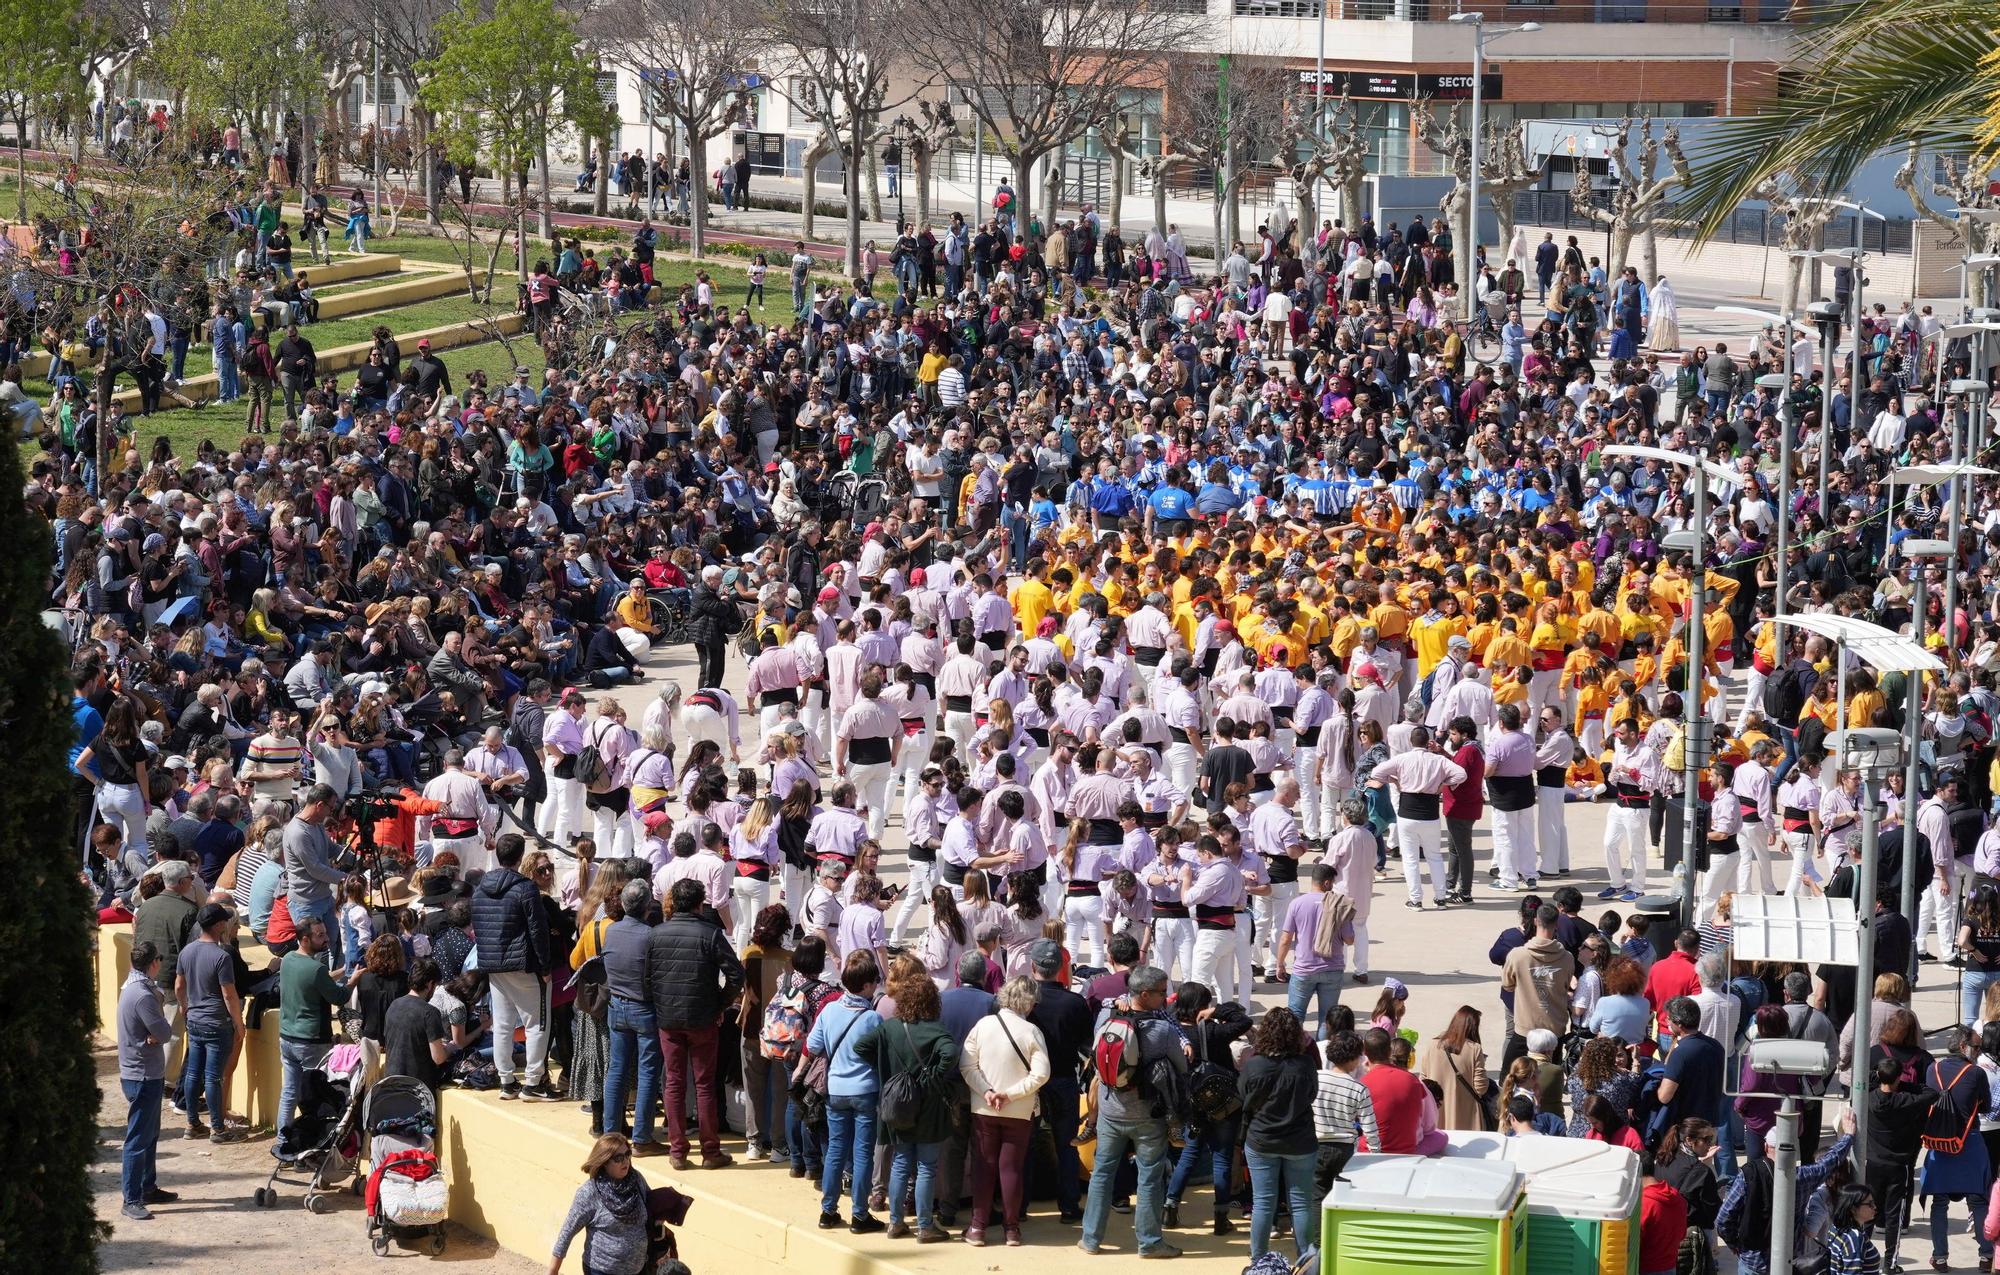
[
  {"x": 1583, "y": 1200},
  {"x": 1394, "y": 1214}
]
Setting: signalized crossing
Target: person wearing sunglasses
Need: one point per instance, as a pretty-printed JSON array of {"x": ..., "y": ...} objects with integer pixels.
[{"x": 610, "y": 1208}]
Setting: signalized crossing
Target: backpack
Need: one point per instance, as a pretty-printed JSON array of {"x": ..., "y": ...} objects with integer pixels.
[
  {"x": 789, "y": 1016},
  {"x": 590, "y": 770},
  {"x": 1944, "y": 1132},
  {"x": 1115, "y": 1056},
  {"x": 1785, "y": 693},
  {"x": 1213, "y": 1093}
]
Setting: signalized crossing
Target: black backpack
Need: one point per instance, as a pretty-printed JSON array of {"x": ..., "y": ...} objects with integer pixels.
[
  {"x": 1785, "y": 693},
  {"x": 901, "y": 1104}
]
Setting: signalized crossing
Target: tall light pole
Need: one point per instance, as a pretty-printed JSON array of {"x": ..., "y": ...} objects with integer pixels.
[
  {"x": 1469, "y": 252},
  {"x": 1975, "y": 389},
  {"x": 1783, "y": 385},
  {"x": 1695, "y": 724},
  {"x": 1919, "y": 552}
]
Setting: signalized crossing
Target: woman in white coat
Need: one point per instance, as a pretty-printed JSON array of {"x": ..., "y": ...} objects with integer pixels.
[
  {"x": 1005, "y": 1062},
  {"x": 1665, "y": 332}
]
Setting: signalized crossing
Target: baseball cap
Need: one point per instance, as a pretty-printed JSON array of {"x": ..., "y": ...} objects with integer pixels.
[
  {"x": 1046, "y": 955},
  {"x": 212, "y": 914},
  {"x": 828, "y": 594}
]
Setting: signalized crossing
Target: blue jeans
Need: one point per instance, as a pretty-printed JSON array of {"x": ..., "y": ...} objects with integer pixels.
[
  {"x": 1218, "y": 1143},
  {"x": 632, "y": 1029},
  {"x": 922, "y": 1157},
  {"x": 1324, "y": 984},
  {"x": 229, "y": 386},
  {"x": 1292, "y": 1174},
  {"x": 297, "y": 1056},
  {"x": 1941, "y": 1219},
  {"x": 1972, "y": 985},
  {"x": 139, "y": 1176},
  {"x": 806, "y": 1147},
  {"x": 850, "y": 1144},
  {"x": 1148, "y": 1140},
  {"x": 207, "y": 1053}
]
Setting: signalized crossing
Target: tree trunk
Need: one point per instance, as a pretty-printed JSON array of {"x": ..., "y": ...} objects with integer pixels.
[
  {"x": 1307, "y": 211},
  {"x": 874, "y": 159},
  {"x": 1226, "y": 205},
  {"x": 1052, "y": 189},
  {"x": 1024, "y": 161},
  {"x": 698, "y": 183},
  {"x": 1649, "y": 256},
  {"x": 544, "y": 219},
  {"x": 857, "y": 154},
  {"x": 21, "y": 175},
  {"x": 1621, "y": 248},
  {"x": 1795, "y": 270},
  {"x": 1160, "y": 200},
  {"x": 815, "y": 151},
  {"x": 1503, "y": 216},
  {"x": 920, "y": 169},
  {"x": 1218, "y": 216},
  {"x": 1114, "y": 207}
]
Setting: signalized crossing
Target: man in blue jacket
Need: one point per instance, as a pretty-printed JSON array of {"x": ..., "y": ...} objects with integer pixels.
[{"x": 512, "y": 934}]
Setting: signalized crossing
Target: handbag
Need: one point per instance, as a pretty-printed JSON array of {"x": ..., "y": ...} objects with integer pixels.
[{"x": 1489, "y": 1117}]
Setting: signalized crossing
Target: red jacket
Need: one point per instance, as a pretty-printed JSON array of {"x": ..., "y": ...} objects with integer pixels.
[
  {"x": 1399, "y": 1107},
  {"x": 1467, "y": 800},
  {"x": 1663, "y": 1222}
]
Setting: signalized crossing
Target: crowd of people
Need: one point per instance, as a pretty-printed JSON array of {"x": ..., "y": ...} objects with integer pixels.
[{"x": 1158, "y": 615}]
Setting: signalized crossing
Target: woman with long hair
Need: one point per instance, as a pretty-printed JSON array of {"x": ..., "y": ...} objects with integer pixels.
[
  {"x": 1279, "y": 1083},
  {"x": 610, "y": 1208},
  {"x": 1455, "y": 1061},
  {"x": 764, "y": 1079},
  {"x": 1209, "y": 1030},
  {"x": 596, "y": 1060},
  {"x": 913, "y": 1042},
  {"x": 753, "y": 846},
  {"x": 115, "y": 762},
  {"x": 1602, "y": 1070},
  {"x": 1979, "y": 944},
  {"x": 1685, "y": 1161},
  {"x": 945, "y": 939}
]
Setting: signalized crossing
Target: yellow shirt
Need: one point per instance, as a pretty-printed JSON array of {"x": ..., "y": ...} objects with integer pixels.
[
  {"x": 1508, "y": 651},
  {"x": 1391, "y": 622},
  {"x": 637, "y": 612},
  {"x": 1031, "y": 600},
  {"x": 1346, "y": 636},
  {"x": 1861, "y": 709},
  {"x": 1432, "y": 638}
]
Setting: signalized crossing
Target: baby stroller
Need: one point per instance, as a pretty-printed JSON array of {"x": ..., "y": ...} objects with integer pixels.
[
  {"x": 325, "y": 1135},
  {"x": 406, "y": 1189}
]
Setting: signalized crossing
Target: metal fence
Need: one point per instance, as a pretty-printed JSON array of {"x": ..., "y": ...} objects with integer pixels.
[{"x": 1758, "y": 227}]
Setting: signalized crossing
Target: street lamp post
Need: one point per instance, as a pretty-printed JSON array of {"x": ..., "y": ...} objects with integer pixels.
[
  {"x": 1695, "y": 747},
  {"x": 1469, "y": 254},
  {"x": 1920, "y": 552},
  {"x": 1783, "y": 385},
  {"x": 1975, "y": 390}
]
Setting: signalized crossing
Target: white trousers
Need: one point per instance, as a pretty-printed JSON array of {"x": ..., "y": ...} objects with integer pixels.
[
  {"x": 1551, "y": 829},
  {"x": 1182, "y": 765},
  {"x": 1357, "y": 959},
  {"x": 520, "y": 999},
  {"x": 769, "y": 716},
  {"x": 701, "y": 722},
  {"x": 1269, "y": 909},
  {"x": 1756, "y": 842},
  {"x": 1422, "y": 843},
  {"x": 923, "y": 875},
  {"x": 961, "y": 728},
  {"x": 1718, "y": 880},
  {"x": 1312, "y": 824},
  {"x": 796, "y": 881},
  {"x": 1626, "y": 832},
  {"x": 915, "y": 756},
  {"x": 1514, "y": 845},
  {"x": 871, "y": 793},
  {"x": 1753, "y": 697},
  {"x": 1544, "y": 687},
  {"x": 563, "y": 811},
  {"x": 1173, "y": 947},
  {"x": 1805, "y": 864},
  {"x": 1244, "y": 940},
  {"x": 613, "y": 833},
  {"x": 1083, "y": 919},
  {"x": 1214, "y": 955},
  {"x": 747, "y": 897},
  {"x": 1939, "y": 905}
]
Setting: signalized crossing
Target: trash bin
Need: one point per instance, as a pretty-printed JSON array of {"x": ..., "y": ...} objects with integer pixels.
[{"x": 1393, "y": 1214}]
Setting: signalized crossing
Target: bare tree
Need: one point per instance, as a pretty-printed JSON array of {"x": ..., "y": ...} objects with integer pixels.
[
  {"x": 841, "y": 51},
  {"x": 1806, "y": 211},
  {"x": 1152, "y": 168},
  {"x": 825, "y": 142},
  {"x": 933, "y": 129},
  {"x": 1050, "y": 73},
  {"x": 1504, "y": 168},
  {"x": 1227, "y": 120},
  {"x": 1328, "y": 146},
  {"x": 693, "y": 54},
  {"x": 1966, "y": 185},
  {"x": 1640, "y": 192}
]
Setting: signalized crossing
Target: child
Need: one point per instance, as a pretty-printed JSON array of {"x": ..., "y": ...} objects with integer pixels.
[
  {"x": 416, "y": 944},
  {"x": 1584, "y": 779},
  {"x": 1342, "y": 1109},
  {"x": 759, "y": 267},
  {"x": 1635, "y": 944},
  {"x": 357, "y": 927}
]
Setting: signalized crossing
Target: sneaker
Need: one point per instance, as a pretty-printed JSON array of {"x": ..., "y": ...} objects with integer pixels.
[
  {"x": 1610, "y": 893},
  {"x": 679, "y": 1163},
  {"x": 720, "y": 1160},
  {"x": 798, "y": 1169},
  {"x": 829, "y": 1221},
  {"x": 1091, "y": 1249},
  {"x": 976, "y": 1237},
  {"x": 1630, "y": 896},
  {"x": 230, "y": 1135},
  {"x": 1170, "y": 1217},
  {"x": 649, "y": 1147},
  {"x": 198, "y": 1131},
  {"x": 933, "y": 1235},
  {"x": 137, "y": 1212},
  {"x": 1413, "y": 904},
  {"x": 159, "y": 1195},
  {"x": 1532, "y": 884},
  {"x": 541, "y": 1091},
  {"x": 779, "y": 1155},
  {"x": 866, "y": 1224},
  {"x": 1358, "y": 978},
  {"x": 1223, "y": 1226},
  {"x": 1160, "y": 1252},
  {"x": 1121, "y": 1206},
  {"x": 1013, "y": 1237},
  {"x": 898, "y": 1230},
  {"x": 511, "y": 1091},
  {"x": 754, "y": 1153}
]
